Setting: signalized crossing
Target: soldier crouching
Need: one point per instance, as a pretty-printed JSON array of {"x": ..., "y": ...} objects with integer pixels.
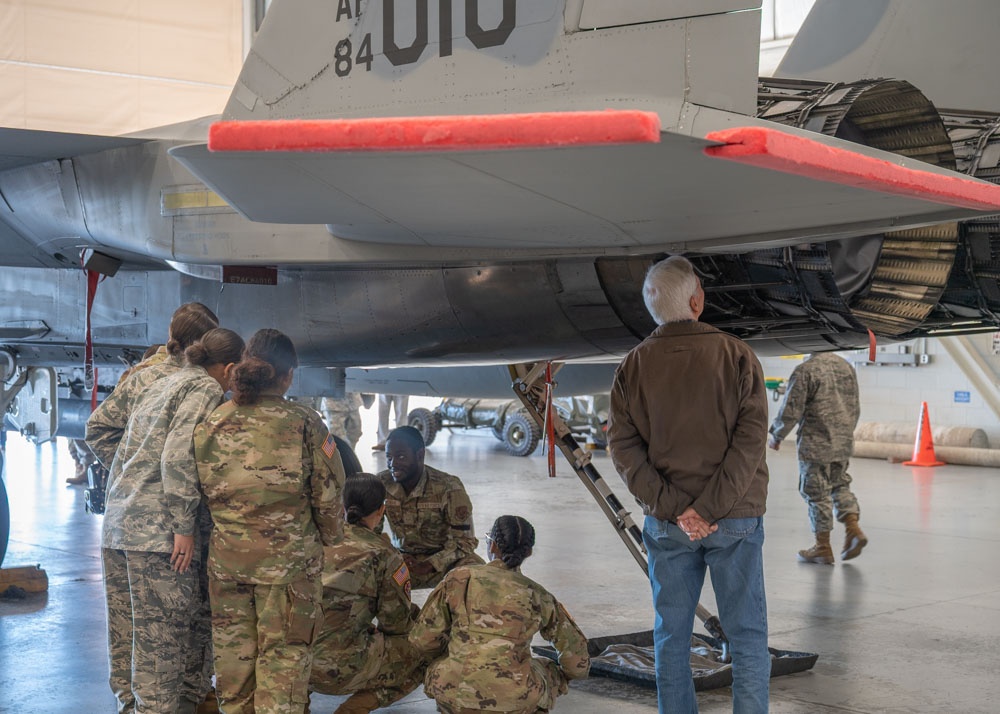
[{"x": 364, "y": 579}]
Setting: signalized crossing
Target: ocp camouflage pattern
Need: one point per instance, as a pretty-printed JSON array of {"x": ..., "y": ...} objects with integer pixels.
[
  {"x": 274, "y": 495},
  {"x": 478, "y": 624},
  {"x": 432, "y": 523},
  {"x": 364, "y": 581}
]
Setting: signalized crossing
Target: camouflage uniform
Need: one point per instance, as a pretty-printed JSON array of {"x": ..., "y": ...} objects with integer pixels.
[
  {"x": 479, "y": 623},
  {"x": 156, "y": 358},
  {"x": 822, "y": 398},
  {"x": 152, "y": 495},
  {"x": 272, "y": 478},
  {"x": 343, "y": 416},
  {"x": 432, "y": 524},
  {"x": 365, "y": 578},
  {"x": 105, "y": 428}
]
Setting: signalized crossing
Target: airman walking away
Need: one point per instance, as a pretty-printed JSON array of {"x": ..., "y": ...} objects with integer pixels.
[{"x": 822, "y": 399}]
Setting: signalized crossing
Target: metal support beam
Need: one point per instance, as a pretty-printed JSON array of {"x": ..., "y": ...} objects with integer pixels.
[{"x": 982, "y": 374}]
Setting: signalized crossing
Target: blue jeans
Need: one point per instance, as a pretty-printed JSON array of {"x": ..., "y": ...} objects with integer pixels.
[{"x": 677, "y": 573}]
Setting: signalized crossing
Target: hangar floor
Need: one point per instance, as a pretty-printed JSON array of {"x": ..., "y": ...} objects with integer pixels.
[{"x": 911, "y": 626}]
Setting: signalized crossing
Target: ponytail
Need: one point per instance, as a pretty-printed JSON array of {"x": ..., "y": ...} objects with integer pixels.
[{"x": 514, "y": 538}]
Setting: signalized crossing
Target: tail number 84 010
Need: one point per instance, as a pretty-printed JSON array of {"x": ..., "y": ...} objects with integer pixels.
[{"x": 346, "y": 58}]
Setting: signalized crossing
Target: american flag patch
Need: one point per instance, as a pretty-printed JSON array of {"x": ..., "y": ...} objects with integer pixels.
[
  {"x": 329, "y": 446},
  {"x": 402, "y": 575}
]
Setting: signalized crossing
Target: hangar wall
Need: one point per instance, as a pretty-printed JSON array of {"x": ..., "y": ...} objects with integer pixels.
[
  {"x": 116, "y": 66},
  {"x": 892, "y": 393}
]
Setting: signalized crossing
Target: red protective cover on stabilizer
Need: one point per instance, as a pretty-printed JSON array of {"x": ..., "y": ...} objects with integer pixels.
[
  {"x": 780, "y": 151},
  {"x": 496, "y": 131}
]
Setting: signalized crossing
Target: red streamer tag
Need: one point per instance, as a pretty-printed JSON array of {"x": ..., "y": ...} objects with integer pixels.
[
  {"x": 89, "y": 373},
  {"x": 871, "y": 346},
  {"x": 549, "y": 413}
]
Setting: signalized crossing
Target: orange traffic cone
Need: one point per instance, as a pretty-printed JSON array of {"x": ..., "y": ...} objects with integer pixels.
[{"x": 923, "y": 447}]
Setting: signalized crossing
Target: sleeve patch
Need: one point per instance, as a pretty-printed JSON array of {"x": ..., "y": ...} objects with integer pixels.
[
  {"x": 402, "y": 576},
  {"x": 462, "y": 513},
  {"x": 330, "y": 446}
]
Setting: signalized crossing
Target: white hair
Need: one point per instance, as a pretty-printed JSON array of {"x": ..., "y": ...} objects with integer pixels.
[{"x": 668, "y": 289}]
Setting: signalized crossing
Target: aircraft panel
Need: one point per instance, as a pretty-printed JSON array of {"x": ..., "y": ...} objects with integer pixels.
[
  {"x": 609, "y": 13},
  {"x": 484, "y": 382}
]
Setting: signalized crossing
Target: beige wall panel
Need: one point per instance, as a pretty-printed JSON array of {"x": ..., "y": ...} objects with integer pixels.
[
  {"x": 162, "y": 103},
  {"x": 12, "y": 29},
  {"x": 12, "y": 96},
  {"x": 116, "y": 66},
  {"x": 89, "y": 34},
  {"x": 197, "y": 40},
  {"x": 60, "y": 100}
]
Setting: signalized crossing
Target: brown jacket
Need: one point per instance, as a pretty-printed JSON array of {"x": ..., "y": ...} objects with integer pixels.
[{"x": 688, "y": 424}]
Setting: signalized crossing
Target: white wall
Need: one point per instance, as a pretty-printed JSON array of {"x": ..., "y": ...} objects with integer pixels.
[
  {"x": 116, "y": 66},
  {"x": 894, "y": 393}
]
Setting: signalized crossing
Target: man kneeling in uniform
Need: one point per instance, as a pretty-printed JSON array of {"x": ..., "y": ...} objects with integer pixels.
[{"x": 428, "y": 510}]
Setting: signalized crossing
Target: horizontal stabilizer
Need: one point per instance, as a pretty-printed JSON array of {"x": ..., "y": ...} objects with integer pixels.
[{"x": 593, "y": 194}]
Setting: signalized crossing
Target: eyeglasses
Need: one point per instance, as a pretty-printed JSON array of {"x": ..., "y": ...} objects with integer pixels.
[{"x": 488, "y": 538}]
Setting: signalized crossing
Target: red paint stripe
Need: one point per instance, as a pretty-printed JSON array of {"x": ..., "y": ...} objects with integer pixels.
[
  {"x": 498, "y": 131},
  {"x": 777, "y": 150}
]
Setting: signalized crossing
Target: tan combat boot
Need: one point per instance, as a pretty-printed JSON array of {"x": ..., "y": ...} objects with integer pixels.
[
  {"x": 820, "y": 553},
  {"x": 359, "y": 703},
  {"x": 80, "y": 477},
  {"x": 855, "y": 539}
]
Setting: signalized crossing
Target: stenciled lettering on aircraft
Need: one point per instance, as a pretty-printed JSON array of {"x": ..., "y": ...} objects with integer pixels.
[{"x": 346, "y": 58}]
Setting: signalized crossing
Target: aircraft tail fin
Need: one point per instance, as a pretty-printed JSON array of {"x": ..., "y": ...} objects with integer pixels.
[{"x": 948, "y": 50}]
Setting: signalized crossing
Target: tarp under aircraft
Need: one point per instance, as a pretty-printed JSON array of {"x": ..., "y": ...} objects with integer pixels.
[{"x": 629, "y": 658}]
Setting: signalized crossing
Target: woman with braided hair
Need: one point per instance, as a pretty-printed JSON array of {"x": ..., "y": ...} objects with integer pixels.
[
  {"x": 477, "y": 626},
  {"x": 272, "y": 479},
  {"x": 362, "y": 647}
]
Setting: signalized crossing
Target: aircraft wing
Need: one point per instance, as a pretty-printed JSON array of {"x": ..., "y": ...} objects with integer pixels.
[
  {"x": 451, "y": 182},
  {"x": 21, "y": 148}
]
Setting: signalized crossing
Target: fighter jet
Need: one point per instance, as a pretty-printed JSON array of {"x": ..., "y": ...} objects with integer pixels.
[{"x": 450, "y": 183}]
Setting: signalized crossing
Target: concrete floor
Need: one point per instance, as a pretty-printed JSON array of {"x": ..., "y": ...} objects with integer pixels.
[{"x": 911, "y": 626}]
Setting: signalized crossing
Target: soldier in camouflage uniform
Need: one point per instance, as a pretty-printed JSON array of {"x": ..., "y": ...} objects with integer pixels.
[
  {"x": 364, "y": 580},
  {"x": 271, "y": 474},
  {"x": 343, "y": 416},
  {"x": 822, "y": 399},
  {"x": 478, "y": 624},
  {"x": 428, "y": 510},
  {"x": 106, "y": 428},
  {"x": 154, "y": 355}
]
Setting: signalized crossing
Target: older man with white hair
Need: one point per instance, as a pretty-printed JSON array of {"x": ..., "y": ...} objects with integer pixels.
[{"x": 687, "y": 433}]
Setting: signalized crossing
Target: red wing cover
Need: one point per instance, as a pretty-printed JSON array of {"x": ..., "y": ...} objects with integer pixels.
[
  {"x": 779, "y": 151},
  {"x": 497, "y": 131}
]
